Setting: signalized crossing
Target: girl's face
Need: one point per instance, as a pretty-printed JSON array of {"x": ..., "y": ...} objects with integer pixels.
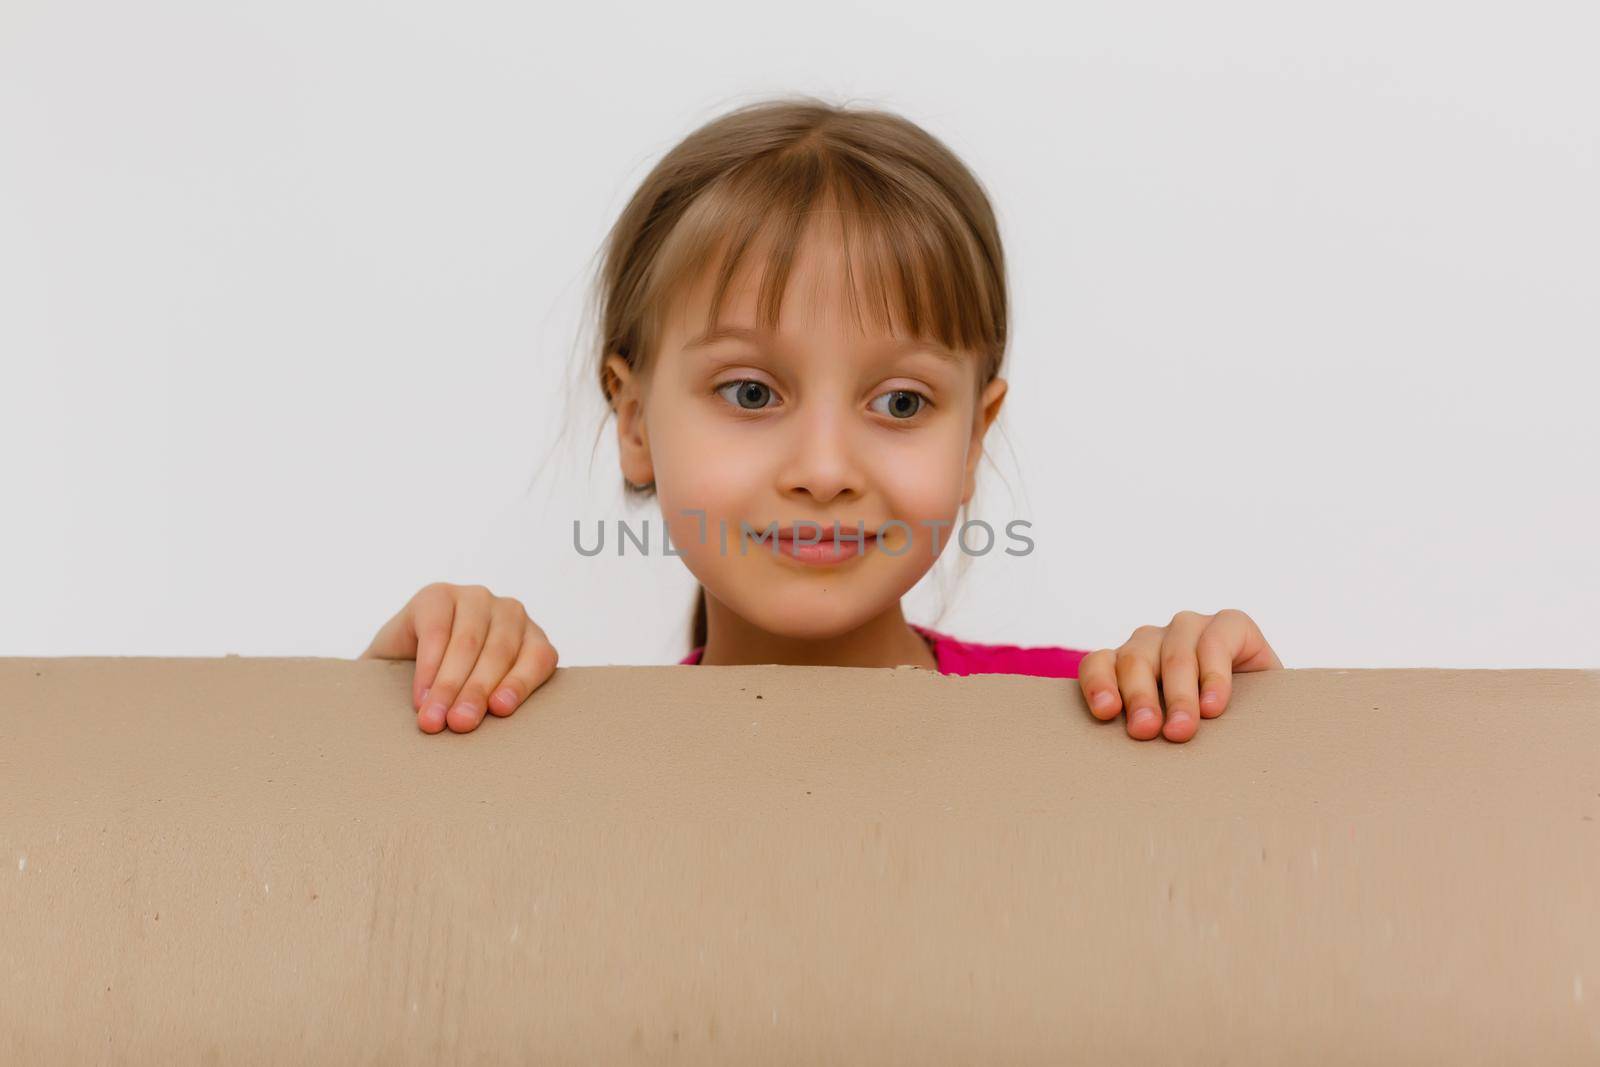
[{"x": 815, "y": 423}]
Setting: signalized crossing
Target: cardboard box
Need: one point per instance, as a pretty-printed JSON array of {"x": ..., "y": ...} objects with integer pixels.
[{"x": 263, "y": 860}]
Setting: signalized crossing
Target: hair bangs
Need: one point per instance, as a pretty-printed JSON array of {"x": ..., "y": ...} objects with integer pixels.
[{"x": 908, "y": 263}]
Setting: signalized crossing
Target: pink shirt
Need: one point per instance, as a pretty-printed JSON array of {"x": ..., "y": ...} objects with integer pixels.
[{"x": 970, "y": 657}]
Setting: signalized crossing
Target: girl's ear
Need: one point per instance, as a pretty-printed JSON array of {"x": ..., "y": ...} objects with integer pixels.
[
  {"x": 624, "y": 392},
  {"x": 989, "y": 402}
]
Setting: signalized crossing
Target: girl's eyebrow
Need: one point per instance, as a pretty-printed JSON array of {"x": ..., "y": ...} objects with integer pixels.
[
  {"x": 743, "y": 333},
  {"x": 719, "y": 333}
]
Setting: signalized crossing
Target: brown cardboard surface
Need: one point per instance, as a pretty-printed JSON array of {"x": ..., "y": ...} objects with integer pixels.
[{"x": 263, "y": 860}]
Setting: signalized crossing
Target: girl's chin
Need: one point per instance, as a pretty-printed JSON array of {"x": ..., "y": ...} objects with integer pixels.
[{"x": 814, "y": 617}]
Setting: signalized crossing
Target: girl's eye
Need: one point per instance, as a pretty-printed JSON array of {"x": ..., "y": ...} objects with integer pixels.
[
  {"x": 903, "y": 403},
  {"x": 750, "y": 393}
]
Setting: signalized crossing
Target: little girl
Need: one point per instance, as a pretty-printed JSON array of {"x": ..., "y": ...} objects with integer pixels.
[{"x": 812, "y": 428}]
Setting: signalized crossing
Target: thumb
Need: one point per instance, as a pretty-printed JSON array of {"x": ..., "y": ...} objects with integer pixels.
[{"x": 396, "y": 640}]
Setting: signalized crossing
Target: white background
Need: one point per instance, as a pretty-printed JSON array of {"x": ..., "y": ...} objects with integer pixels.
[{"x": 1305, "y": 299}]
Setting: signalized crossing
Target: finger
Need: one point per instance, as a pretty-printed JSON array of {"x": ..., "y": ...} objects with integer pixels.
[
  {"x": 432, "y": 614},
  {"x": 1231, "y": 644},
  {"x": 1180, "y": 675},
  {"x": 1136, "y": 663},
  {"x": 1097, "y": 677},
  {"x": 1253, "y": 652},
  {"x": 467, "y": 633},
  {"x": 500, "y": 647},
  {"x": 535, "y": 664},
  {"x": 398, "y": 637},
  {"x": 395, "y": 640},
  {"x": 1218, "y": 645}
]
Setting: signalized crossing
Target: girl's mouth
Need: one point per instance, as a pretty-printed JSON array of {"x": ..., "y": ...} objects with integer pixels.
[{"x": 824, "y": 552}]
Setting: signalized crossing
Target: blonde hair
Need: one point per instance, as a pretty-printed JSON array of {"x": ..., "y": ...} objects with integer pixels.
[{"x": 756, "y": 175}]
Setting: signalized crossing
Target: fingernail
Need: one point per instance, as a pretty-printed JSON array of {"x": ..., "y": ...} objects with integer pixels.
[
  {"x": 434, "y": 714},
  {"x": 1177, "y": 718},
  {"x": 1210, "y": 697},
  {"x": 506, "y": 697},
  {"x": 1145, "y": 717},
  {"x": 1103, "y": 700}
]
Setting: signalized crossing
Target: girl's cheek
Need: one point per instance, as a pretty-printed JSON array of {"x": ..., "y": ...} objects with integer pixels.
[{"x": 702, "y": 512}]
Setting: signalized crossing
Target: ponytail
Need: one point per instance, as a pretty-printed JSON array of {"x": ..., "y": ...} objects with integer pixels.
[{"x": 697, "y": 628}]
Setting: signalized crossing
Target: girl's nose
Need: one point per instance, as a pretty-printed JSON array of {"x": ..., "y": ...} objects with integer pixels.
[{"x": 822, "y": 455}]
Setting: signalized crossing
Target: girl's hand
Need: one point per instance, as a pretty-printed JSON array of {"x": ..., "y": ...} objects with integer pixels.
[
  {"x": 474, "y": 651},
  {"x": 1193, "y": 657}
]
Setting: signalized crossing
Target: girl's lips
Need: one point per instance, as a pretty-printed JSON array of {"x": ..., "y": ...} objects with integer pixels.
[{"x": 826, "y": 552}]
